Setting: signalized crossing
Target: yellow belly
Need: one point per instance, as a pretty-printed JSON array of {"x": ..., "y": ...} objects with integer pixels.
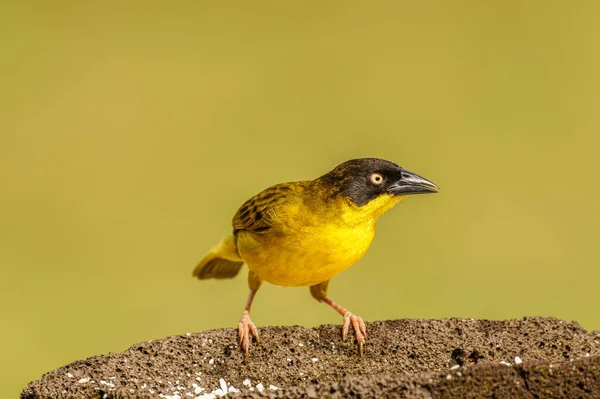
[{"x": 307, "y": 257}]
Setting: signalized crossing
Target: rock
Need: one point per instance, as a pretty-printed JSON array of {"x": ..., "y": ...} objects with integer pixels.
[{"x": 403, "y": 359}]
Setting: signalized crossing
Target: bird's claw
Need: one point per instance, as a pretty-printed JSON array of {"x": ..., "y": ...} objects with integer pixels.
[
  {"x": 245, "y": 327},
  {"x": 360, "y": 329}
]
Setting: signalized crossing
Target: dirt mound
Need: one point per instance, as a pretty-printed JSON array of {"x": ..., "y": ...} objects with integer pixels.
[{"x": 450, "y": 358}]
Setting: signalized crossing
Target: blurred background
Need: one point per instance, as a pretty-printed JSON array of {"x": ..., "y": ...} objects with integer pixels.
[{"x": 130, "y": 133}]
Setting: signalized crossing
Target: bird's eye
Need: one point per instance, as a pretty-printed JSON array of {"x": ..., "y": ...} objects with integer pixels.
[{"x": 376, "y": 179}]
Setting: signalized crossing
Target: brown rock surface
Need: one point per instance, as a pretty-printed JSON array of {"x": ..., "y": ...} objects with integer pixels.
[{"x": 450, "y": 358}]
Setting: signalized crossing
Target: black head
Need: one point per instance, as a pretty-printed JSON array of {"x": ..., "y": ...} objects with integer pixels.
[{"x": 365, "y": 179}]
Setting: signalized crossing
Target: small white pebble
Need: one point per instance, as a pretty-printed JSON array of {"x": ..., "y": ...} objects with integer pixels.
[
  {"x": 587, "y": 354},
  {"x": 198, "y": 390},
  {"x": 458, "y": 373},
  {"x": 505, "y": 363},
  {"x": 131, "y": 390},
  {"x": 84, "y": 380},
  {"x": 210, "y": 341},
  {"x": 223, "y": 385},
  {"x": 314, "y": 359},
  {"x": 211, "y": 361},
  {"x": 300, "y": 344},
  {"x": 105, "y": 396},
  {"x": 448, "y": 377},
  {"x": 188, "y": 334},
  {"x": 70, "y": 375},
  {"x": 251, "y": 389},
  {"x": 232, "y": 389},
  {"x": 518, "y": 360},
  {"x": 260, "y": 387},
  {"x": 272, "y": 387},
  {"x": 247, "y": 382},
  {"x": 112, "y": 378},
  {"x": 454, "y": 367}
]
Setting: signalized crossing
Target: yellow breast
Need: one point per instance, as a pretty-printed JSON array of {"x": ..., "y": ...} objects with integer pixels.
[
  {"x": 310, "y": 257},
  {"x": 312, "y": 246}
]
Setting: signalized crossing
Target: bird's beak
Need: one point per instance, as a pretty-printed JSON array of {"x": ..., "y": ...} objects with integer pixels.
[{"x": 412, "y": 183}]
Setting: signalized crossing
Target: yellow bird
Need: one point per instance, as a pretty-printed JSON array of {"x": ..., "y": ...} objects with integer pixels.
[{"x": 304, "y": 233}]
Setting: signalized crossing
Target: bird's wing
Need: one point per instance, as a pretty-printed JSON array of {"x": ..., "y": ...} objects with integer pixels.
[{"x": 265, "y": 211}]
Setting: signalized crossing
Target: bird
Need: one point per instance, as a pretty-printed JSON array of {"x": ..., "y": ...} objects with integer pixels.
[{"x": 304, "y": 233}]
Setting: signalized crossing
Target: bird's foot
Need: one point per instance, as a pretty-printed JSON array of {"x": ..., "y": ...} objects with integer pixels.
[
  {"x": 245, "y": 327},
  {"x": 360, "y": 329}
]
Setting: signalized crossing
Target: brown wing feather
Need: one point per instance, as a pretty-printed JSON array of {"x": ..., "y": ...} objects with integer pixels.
[{"x": 258, "y": 214}]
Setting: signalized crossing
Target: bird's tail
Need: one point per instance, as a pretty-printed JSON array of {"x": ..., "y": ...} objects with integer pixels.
[{"x": 222, "y": 262}]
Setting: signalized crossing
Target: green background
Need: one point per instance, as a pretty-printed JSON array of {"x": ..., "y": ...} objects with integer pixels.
[{"x": 130, "y": 134}]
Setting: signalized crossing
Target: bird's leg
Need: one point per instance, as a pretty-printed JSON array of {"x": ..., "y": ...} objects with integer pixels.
[
  {"x": 246, "y": 326},
  {"x": 319, "y": 292}
]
